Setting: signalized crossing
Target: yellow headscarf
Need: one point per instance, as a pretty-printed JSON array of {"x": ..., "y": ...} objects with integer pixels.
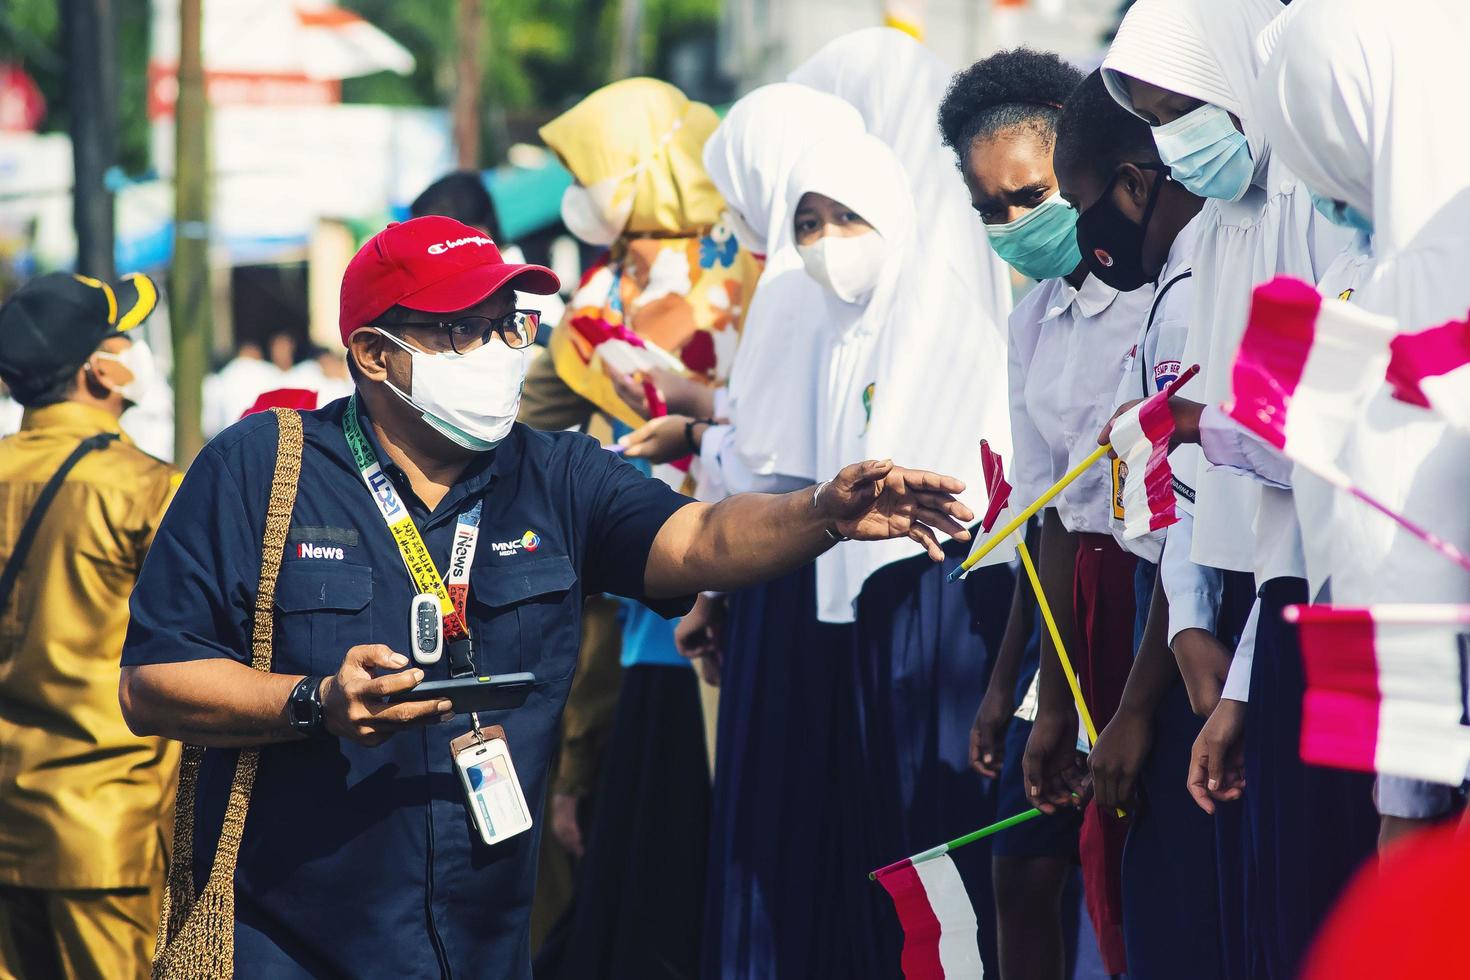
[
  {"x": 675, "y": 285},
  {"x": 649, "y": 125}
]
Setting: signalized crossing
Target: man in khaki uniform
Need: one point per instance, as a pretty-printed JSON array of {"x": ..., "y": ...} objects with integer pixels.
[{"x": 85, "y": 805}]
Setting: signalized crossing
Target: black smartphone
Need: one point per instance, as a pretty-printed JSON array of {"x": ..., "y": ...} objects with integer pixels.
[{"x": 499, "y": 692}]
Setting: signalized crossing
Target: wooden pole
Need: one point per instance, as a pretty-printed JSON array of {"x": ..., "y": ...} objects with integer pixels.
[
  {"x": 189, "y": 289},
  {"x": 467, "y": 86},
  {"x": 628, "y": 55},
  {"x": 90, "y": 40}
]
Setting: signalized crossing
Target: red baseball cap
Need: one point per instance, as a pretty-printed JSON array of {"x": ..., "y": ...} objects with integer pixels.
[{"x": 434, "y": 264}]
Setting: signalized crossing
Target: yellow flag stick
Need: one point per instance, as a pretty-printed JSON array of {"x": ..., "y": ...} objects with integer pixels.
[
  {"x": 1057, "y": 487},
  {"x": 1056, "y": 639},
  {"x": 1030, "y": 512}
]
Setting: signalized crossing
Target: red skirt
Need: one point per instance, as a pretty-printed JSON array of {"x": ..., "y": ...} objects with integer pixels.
[{"x": 1104, "y": 604}]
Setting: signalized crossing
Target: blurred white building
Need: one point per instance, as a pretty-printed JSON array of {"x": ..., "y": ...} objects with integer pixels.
[{"x": 762, "y": 40}]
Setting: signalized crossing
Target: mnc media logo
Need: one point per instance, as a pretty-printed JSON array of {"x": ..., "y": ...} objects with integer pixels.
[{"x": 528, "y": 542}]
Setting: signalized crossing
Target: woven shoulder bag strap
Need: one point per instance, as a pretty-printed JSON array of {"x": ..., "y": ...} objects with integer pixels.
[{"x": 197, "y": 938}]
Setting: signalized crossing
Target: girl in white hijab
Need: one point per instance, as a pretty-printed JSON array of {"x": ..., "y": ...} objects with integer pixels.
[
  {"x": 785, "y": 676},
  {"x": 1347, "y": 100},
  {"x": 1189, "y": 68},
  {"x": 949, "y": 348},
  {"x": 772, "y": 398}
]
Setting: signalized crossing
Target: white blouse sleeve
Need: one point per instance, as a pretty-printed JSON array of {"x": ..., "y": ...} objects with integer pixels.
[
  {"x": 1193, "y": 590},
  {"x": 723, "y": 473},
  {"x": 1238, "y": 681}
]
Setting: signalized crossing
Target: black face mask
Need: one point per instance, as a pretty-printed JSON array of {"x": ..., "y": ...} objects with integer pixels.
[{"x": 1112, "y": 244}]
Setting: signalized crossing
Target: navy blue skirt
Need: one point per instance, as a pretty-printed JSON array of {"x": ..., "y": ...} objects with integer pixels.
[{"x": 841, "y": 749}]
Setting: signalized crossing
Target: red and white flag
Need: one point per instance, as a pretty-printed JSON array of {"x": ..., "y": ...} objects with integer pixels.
[
  {"x": 1305, "y": 367},
  {"x": 1431, "y": 369},
  {"x": 937, "y": 917},
  {"x": 997, "y": 510},
  {"x": 1386, "y": 689},
  {"x": 1141, "y": 437}
]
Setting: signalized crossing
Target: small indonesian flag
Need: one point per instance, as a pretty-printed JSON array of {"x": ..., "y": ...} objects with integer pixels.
[
  {"x": 992, "y": 467},
  {"x": 1386, "y": 689},
  {"x": 937, "y": 917},
  {"x": 1141, "y": 439},
  {"x": 1431, "y": 369},
  {"x": 1304, "y": 369}
]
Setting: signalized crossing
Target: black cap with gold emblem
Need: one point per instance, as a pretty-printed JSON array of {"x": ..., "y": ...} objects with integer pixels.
[{"x": 55, "y": 322}]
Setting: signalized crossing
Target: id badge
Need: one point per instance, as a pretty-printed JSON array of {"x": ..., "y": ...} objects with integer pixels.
[{"x": 497, "y": 806}]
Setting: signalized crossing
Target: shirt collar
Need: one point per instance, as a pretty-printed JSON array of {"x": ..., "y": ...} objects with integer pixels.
[
  {"x": 71, "y": 417},
  {"x": 478, "y": 476},
  {"x": 1091, "y": 300}
]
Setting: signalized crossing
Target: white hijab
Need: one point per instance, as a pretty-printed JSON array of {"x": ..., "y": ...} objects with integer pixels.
[
  {"x": 1205, "y": 49},
  {"x": 1358, "y": 99},
  {"x": 861, "y": 173},
  {"x": 940, "y": 358},
  {"x": 773, "y": 393}
]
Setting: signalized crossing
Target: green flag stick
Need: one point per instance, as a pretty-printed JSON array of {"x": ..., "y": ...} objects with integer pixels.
[{"x": 969, "y": 838}]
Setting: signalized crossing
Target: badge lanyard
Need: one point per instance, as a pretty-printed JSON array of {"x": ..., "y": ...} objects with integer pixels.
[{"x": 453, "y": 593}]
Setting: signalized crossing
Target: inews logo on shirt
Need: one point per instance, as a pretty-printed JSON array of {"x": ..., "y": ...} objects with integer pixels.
[{"x": 528, "y": 542}]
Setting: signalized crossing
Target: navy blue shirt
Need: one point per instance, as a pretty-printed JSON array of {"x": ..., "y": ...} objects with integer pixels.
[{"x": 361, "y": 861}]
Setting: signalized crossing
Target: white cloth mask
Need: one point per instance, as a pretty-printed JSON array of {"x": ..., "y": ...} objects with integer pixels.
[
  {"x": 471, "y": 399},
  {"x": 593, "y": 213},
  {"x": 849, "y": 266},
  {"x": 138, "y": 359}
]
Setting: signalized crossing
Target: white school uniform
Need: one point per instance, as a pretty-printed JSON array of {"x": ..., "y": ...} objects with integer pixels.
[{"x": 1068, "y": 347}]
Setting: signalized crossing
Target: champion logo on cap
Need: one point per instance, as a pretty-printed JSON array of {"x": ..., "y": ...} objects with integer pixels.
[
  {"x": 439, "y": 248},
  {"x": 423, "y": 264}
]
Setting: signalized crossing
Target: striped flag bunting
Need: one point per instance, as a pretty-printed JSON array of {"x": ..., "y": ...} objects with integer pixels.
[
  {"x": 1305, "y": 367},
  {"x": 1386, "y": 689},
  {"x": 1431, "y": 369}
]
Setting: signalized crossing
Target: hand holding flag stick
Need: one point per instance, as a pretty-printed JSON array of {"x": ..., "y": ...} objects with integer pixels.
[
  {"x": 1020, "y": 519},
  {"x": 998, "y": 490}
]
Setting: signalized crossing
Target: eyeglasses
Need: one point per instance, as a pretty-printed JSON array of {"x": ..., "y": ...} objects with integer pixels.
[{"x": 517, "y": 329}]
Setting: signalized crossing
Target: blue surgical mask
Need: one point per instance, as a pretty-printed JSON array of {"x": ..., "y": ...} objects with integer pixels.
[
  {"x": 1340, "y": 214},
  {"x": 1042, "y": 243},
  {"x": 1206, "y": 153}
]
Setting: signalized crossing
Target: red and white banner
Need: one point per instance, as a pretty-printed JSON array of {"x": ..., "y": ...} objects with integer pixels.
[
  {"x": 937, "y": 917},
  {"x": 1305, "y": 367},
  {"x": 998, "y": 508},
  {"x": 1386, "y": 689},
  {"x": 1141, "y": 437},
  {"x": 1431, "y": 369}
]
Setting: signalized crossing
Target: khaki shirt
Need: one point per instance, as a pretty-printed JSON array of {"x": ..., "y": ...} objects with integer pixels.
[{"x": 84, "y": 803}]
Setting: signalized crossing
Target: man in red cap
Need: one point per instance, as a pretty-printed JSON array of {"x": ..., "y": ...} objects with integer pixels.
[{"x": 371, "y": 848}]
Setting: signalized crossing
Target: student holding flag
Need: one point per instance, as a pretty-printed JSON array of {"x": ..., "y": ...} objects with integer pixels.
[
  {"x": 1398, "y": 176},
  {"x": 1068, "y": 341},
  {"x": 1189, "y": 68},
  {"x": 1135, "y": 226}
]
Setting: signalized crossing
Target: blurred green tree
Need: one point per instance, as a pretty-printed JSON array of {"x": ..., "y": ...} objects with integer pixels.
[{"x": 539, "y": 57}]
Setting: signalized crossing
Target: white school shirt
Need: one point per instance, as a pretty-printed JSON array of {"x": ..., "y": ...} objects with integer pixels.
[
  {"x": 1067, "y": 348},
  {"x": 1272, "y": 230},
  {"x": 1156, "y": 360}
]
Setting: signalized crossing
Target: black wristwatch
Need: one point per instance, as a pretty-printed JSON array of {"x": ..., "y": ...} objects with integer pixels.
[{"x": 304, "y": 707}]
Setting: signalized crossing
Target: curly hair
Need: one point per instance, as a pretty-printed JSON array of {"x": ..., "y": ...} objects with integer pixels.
[
  {"x": 1020, "y": 87},
  {"x": 1095, "y": 134}
]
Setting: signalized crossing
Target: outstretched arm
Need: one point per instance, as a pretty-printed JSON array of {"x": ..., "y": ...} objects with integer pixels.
[{"x": 754, "y": 537}]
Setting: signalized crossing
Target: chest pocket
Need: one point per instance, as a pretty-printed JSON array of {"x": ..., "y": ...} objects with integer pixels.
[
  {"x": 531, "y": 611},
  {"x": 324, "y": 607}
]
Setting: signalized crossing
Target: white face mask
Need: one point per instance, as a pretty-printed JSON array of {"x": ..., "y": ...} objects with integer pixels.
[
  {"x": 591, "y": 214},
  {"x": 471, "y": 399},
  {"x": 848, "y": 266},
  {"x": 138, "y": 359}
]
